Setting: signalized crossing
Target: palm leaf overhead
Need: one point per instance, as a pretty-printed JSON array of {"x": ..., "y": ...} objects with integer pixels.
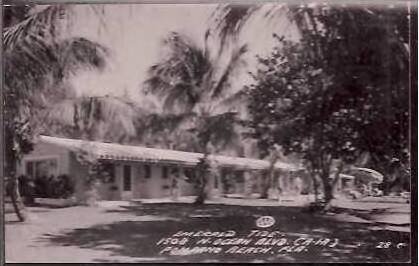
[
  {"x": 41, "y": 26},
  {"x": 76, "y": 53},
  {"x": 228, "y": 19},
  {"x": 38, "y": 55},
  {"x": 32, "y": 69},
  {"x": 180, "y": 76},
  {"x": 189, "y": 77},
  {"x": 236, "y": 61}
]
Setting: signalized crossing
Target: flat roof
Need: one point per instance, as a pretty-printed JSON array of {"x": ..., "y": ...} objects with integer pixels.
[{"x": 119, "y": 152}]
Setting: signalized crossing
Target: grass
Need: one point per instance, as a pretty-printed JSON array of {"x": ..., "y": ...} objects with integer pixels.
[{"x": 130, "y": 234}]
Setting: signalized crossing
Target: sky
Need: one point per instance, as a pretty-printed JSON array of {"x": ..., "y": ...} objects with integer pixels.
[{"x": 134, "y": 34}]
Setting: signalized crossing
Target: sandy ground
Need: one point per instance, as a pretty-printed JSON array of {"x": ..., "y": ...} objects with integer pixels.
[
  {"x": 31, "y": 241},
  {"x": 25, "y": 240}
]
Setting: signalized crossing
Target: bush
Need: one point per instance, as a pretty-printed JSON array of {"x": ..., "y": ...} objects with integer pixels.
[{"x": 54, "y": 187}]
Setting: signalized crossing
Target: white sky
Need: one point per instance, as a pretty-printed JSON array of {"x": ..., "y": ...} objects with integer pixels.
[{"x": 134, "y": 34}]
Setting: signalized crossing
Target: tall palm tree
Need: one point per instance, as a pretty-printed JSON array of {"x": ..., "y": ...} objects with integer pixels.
[
  {"x": 195, "y": 87},
  {"x": 38, "y": 56}
]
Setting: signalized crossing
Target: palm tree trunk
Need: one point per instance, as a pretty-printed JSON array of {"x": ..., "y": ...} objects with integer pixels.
[
  {"x": 202, "y": 194},
  {"x": 265, "y": 185},
  {"x": 328, "y": 190},
  {"x": 315, "y": 187},
  {"x": 203, "y": 171},
  {"x": 17, "y": 202},
  {"x": 248, "y": 184}
]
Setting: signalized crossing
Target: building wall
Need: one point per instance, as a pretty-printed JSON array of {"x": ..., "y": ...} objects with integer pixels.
[
  {"x": 156, "y": 186},
  {"x": 43, "y": 151},
  {"x": 80, "y": 173},
  {"x": 69, "y": 165}
]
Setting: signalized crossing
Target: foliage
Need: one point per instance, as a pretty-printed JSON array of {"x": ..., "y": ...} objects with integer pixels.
[
  {"x": 105, "y": 118},
  {"x": 37, "y": 58},
  {"x": 60, "y": 186},
  {"x": 188, "y": 77},
  {"x": 193, "y": 85},
  {"x": 229, "y": 19},
  {"x": 331, "y": 97},
  {"x": 206, "y": 169},
  {"x": 168, "y": 131}
]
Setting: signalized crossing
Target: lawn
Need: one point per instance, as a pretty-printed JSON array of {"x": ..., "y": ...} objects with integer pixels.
[{"x": 145, "y": 232}]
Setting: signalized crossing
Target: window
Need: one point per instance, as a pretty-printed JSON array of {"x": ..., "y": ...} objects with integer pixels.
[
  {"x": 108, "y": 172},
  {"x": 239, "y": 176},
  {"x": 127, "y": 178},
  {"x": 147, "y": 171},
  {"x": 42, "y": 168},
  {"x": 190, "y": 174},
  {"x": 175, "y": 171},
  {"x": 165, "y": 172}
]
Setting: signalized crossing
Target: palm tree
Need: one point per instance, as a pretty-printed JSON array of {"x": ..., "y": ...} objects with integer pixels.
[
  {"x": 37, "y": 58},
  {"x": 195, "y": 88}
]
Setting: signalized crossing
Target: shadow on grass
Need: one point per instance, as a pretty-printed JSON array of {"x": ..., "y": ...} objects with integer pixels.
[{"x": 138, "y": 239}]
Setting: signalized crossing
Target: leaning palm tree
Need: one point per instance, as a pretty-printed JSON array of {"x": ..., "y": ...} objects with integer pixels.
[
  {"x": 38, "y": 56},
  {"x": 195, "y": 87}
]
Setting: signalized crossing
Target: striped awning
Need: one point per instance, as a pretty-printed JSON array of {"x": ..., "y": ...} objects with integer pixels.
[{"x": 118, "y": 152}]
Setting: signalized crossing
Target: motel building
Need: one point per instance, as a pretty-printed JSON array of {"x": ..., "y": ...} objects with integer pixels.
[{"x": 137, "y": 172}]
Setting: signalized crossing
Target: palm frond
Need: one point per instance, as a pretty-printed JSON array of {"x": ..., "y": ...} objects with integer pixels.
[
  {"x": 219, "y": 130},
  {"x": 13, "y": 14},
  {"x": 31, "y": 71},
  {"x": 235, "y": 62},
  {"x": 229, "y": 19},
  {"x": 236, "y": 99},
  {"x": 185, "y": 69},
  {"x": 42, "y": 26},
  {"x": 37, "y": 58},
  {"x": 179, "y": 98},
  {"x": 155, "y": 123},
  {"x": 80, "y": 52}
]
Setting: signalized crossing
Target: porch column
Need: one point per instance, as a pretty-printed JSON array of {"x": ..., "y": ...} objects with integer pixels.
[
  {"x": 212, "y": 190},
  {"x": 248, "y": 184},
  {"x": 275, "y": 184}
]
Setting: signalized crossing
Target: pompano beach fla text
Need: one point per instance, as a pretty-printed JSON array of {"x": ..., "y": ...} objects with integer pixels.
[{"x": 229, "y": 242}]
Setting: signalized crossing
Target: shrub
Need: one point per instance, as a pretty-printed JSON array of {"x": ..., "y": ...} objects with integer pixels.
[{"x": 60, "y": 186}]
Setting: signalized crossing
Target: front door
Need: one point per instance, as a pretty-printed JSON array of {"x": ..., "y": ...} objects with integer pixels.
[{"x": 127, "y": 182}]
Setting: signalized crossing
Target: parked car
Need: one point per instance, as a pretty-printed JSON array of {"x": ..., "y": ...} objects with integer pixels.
[
  {"x": 354, "y": 194},
  {"x": 377, "y": 192}
]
